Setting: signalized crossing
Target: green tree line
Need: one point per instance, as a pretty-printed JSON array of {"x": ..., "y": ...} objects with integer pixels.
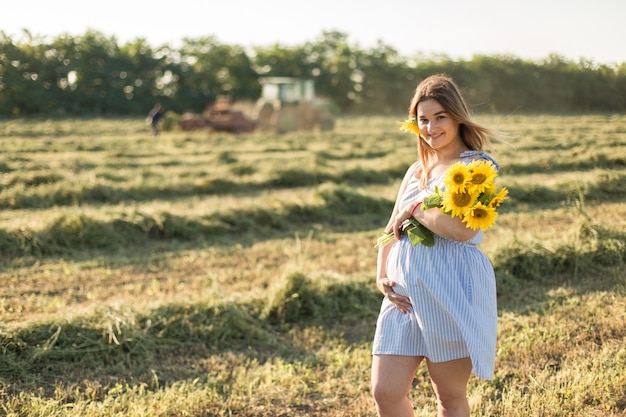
[{"x": 93, "y": 74}]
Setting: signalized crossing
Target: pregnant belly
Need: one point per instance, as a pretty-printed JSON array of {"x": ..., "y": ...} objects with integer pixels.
[{"x": 397, "y": 266}]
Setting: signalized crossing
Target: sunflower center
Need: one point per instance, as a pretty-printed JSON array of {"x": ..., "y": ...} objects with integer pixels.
[
  {"x": 479, "y": 213},
  {"x": 478, "y": 178},
  {"x": 458, "y": 178},
  {"x": 462, "y": 199}
]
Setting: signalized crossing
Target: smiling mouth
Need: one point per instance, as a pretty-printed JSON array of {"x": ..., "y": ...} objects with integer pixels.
[{"x": 438, "y": 135}]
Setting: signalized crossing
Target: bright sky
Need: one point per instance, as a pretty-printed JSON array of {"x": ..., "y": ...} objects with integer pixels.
[{"x": 529, "y": 29}]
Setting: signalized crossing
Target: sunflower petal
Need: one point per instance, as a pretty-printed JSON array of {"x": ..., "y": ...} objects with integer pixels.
[{"x": 410, "y": 126}]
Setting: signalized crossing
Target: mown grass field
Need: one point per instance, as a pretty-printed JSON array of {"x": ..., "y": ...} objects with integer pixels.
[{"x": 199, "y": 274}]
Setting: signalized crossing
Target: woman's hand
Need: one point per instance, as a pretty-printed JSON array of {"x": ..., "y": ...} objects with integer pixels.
[
  {"x": 395, "y": 224},
  {"x": 439, "y": 223},
  {"x": 402, "y": 303}
]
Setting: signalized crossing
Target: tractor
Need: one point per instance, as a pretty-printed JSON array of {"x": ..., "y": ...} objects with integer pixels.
[
  {"x": 219, "y": 116},
  {"x": 286, "y": 105},
  {"x": 289, "y": 104}
]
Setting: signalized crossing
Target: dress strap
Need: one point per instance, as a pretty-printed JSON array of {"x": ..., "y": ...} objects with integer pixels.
[{"x": 471, "y": 155}]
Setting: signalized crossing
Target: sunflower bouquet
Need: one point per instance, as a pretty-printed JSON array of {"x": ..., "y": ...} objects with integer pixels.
[{"x": 469, "y": 193}]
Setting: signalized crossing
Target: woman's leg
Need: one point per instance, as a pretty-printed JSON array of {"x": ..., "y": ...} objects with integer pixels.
[
  {"x": 450, "y": 383},
  {"x": 392, "y": 378}
]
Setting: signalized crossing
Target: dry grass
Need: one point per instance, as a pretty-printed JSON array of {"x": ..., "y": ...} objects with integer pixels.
[{"x": 216, "y": 275}]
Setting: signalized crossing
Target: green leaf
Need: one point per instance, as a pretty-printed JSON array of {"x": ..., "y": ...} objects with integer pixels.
[
  {"x": 384, "y": 240},
  {"x": 433, "y": 200},
  {"x": 420, "y": 234}
]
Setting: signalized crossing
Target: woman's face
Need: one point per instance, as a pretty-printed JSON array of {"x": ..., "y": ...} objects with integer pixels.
[{"x": 437, "y": 127}]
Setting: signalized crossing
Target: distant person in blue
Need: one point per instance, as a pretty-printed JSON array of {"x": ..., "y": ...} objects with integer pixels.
[
  {"x": 154, "y": 117},
  {"x": 439, "y": 302}
]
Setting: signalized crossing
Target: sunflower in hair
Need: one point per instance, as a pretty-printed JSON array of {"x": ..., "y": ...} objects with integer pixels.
[{"x": 410, "y": 126}]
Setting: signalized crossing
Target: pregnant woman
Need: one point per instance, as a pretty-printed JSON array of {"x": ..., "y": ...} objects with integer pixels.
[{"x": 440, "y": 300}]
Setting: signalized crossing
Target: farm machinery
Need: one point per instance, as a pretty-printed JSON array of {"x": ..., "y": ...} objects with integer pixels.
[
  {"x": 289, "y": 104},
  {"x": 220, "y": 117},
  {"x": 286, "y": 105}
]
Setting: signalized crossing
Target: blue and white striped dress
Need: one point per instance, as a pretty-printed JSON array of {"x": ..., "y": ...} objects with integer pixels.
[{"x": 452, "y": 288}]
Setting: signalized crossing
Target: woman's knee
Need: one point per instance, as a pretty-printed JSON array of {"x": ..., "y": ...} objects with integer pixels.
[
  {"x": 450, "y": 383},
  {"x": 384, "y": 395},
  {"x": 391, "y": 379},
  {"x": 455, "y": 402}
]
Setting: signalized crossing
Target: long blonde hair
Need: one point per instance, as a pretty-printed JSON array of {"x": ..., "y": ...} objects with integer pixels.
[{"x": 445, "y": 91}]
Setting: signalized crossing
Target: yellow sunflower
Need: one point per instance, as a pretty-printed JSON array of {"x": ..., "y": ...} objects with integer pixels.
[
  {"x": 480, "y": 216},
  {"x": 457, "y": 202},
  {"x": 482, "y": 176},
  {"x": 491, "y": 189},
  {"x": 499, "y": 198},
  {"x": 456, "y": 177},
  {"x": 410, "y": 126}
]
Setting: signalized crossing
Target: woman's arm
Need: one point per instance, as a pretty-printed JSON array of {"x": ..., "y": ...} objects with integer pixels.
[
  {"x": 444, "y": 225},
  {"x": 439, "y": 223}
]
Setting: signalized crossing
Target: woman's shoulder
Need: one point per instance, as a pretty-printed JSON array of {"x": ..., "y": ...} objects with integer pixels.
[
  {"x": 412, "y": 169},
  {"x": 471, "y": 155}
]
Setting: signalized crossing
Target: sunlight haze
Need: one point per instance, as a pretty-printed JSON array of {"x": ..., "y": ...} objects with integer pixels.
[{"x": 459, "y": 29}]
